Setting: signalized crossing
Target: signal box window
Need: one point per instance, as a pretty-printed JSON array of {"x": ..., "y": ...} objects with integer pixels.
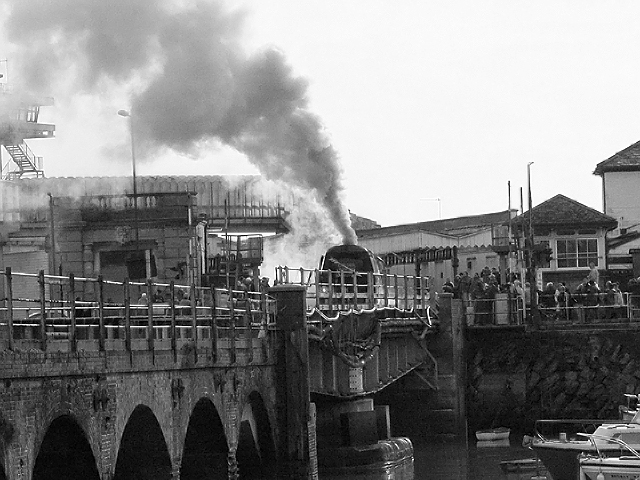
[{"x": 572, "y": 253}]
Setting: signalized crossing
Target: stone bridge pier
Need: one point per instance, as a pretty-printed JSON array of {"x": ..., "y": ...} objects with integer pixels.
[{"x": 222, "y": 408}]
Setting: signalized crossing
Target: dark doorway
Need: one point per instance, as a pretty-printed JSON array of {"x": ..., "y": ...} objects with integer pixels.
[
  {"x": 65, "y": 453},
  {"x": 143, "y": 453},
  {"x": 205, "y": 446}
]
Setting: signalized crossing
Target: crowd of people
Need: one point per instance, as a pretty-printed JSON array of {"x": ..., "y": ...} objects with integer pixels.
[{"x": 556, "y": 301}]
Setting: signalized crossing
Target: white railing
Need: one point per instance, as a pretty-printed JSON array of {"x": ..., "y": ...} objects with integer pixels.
[{"x": 332, "y": 291}]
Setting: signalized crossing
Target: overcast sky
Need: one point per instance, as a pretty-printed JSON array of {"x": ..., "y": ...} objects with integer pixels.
[{"x": 421, "y": 100}]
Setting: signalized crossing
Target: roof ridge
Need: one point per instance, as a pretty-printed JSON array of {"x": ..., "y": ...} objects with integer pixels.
[{"x": 618, "y": 156}]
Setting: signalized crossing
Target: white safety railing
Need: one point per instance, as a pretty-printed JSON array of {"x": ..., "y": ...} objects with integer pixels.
[{"x": 332, "y": 291}]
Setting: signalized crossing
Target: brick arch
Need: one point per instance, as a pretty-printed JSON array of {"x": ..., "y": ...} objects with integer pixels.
[
  {"x": 143, "y": 451},
  {"x": 70, "y": 400},
  {"x": 65, "y": 451},
  {"x": 205, "y": 451}
]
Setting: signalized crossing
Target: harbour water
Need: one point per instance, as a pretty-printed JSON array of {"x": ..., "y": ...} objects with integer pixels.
[{"x": 459, "y": 461}]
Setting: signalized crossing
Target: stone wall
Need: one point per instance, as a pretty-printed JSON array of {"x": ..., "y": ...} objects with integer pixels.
[{"x": 516, "y": 377}]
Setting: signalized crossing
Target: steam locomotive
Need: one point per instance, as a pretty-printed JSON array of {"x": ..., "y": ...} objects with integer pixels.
[
  {"x": 349, "y": 276},
  {"x": 351, "y": 259}
]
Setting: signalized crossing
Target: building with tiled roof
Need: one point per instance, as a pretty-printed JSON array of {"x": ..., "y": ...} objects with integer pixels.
[
  {"x": 575, "y": 233},
  {"x": 620, "y": 184}
]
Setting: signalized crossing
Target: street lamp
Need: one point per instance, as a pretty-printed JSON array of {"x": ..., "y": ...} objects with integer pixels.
[{"x": 126, "y": 113}]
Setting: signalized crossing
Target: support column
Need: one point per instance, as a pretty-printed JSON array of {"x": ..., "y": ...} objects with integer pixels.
[{"x": 292, "y": 384}]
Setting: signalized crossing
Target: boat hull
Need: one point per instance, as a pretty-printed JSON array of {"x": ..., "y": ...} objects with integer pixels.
[{"x": 618, "y": 468}]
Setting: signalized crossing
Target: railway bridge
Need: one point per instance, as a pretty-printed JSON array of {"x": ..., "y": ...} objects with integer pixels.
[{"x": 140, "y": 380}]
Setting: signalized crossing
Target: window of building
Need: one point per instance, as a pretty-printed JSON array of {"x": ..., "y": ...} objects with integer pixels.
[{"x": 576, "y": 252}]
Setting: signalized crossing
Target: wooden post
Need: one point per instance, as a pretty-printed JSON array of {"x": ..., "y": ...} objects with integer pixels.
[
  {"x": 9, "y": 295},
  {"x": 150, "y": 332},
  {"x": 194, "y": 316},
  {"x": 172, "y": 299},
  {"x": 127, "y": 315},
  {"x": 406, "y": 293},
  {"x": 214, "y": 325},
  {"x": 370, "y": 293},
  {"x": 423, "y": 293},
  {"x": 101, "y": 327},
  {"x": 385, "y": 288},
  {"x": 232, "y": 327},
  {"x": 355, "y": 291},
  {"x": 330, "y": 289},
  {"x": 43, "y": 312},
  {"x": 395, "y": 290},
  {"x": 72, "y": 312},
  {"x": 249, "y": 315}
]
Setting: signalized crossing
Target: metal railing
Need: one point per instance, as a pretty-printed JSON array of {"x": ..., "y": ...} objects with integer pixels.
[
  {"x": 67, "y": 313},
  {"x": 507, "y": 309},
  {"x": 333, "y": 291},
  {"x": 503, "y": 310}
]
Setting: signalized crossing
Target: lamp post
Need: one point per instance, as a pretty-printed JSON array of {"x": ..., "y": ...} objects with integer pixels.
[{"x": 127, "y": 114}]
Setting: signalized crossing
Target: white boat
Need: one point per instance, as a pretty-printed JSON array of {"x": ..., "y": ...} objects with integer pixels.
[
  {"x": 493, "y": 435},
  {"x": 560, "y": 453},
  {"x": 602, "y": 467}
]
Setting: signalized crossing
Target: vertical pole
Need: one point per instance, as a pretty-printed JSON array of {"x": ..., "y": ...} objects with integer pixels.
[
  {"x": 249, "y": 315},
  {"x": 423, "y": 293},
  {"x": 172, "y": 286},
  {"x": 293, "y": 416},
  {"x": 232, "y": 327},
  {"x": 385, "y": 288},
  {"x": 127, "y": 315},
  {"x": 101, "y": 328},
  {"x": 330, "y": 291},
  {"x": 317, "y": 282},
  {"x": 53, "y": 236},
  {"x": 370, "y": 292},
  {"x": 534, "y": 303},
  {"x": 214, "y": 325},
  {"x": 9, "y": 295},
  {"x": 150, "y": 332},
  {"x": 43, "y": 312},
  {"x": 355, "y": 290},
  {"x": 72, "y": 312},
  {"x": 194, "y": 315},
  {"x": 406, "y": 293},
  {"x": 395, "y": 293}
]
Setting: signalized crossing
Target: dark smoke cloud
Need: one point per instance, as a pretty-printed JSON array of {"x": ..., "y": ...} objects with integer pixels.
[{"x": 204, "y": 87}]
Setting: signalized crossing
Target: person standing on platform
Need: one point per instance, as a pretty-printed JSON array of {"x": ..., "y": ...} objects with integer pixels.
[{"x": 593, "y": 275}]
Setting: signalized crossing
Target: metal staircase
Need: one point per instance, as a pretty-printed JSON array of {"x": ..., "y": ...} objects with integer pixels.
[{"x": 29, "y": 165}]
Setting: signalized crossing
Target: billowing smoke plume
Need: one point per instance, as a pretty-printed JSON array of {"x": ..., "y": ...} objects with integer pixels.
[{"x": 193, "y": 83}]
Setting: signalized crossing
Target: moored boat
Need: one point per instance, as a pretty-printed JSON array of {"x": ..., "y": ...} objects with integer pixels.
[
  {"x": 602, "y": 467},
  {"x": 559, "y": 450},
  {"x": 493, "y": 434}
]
